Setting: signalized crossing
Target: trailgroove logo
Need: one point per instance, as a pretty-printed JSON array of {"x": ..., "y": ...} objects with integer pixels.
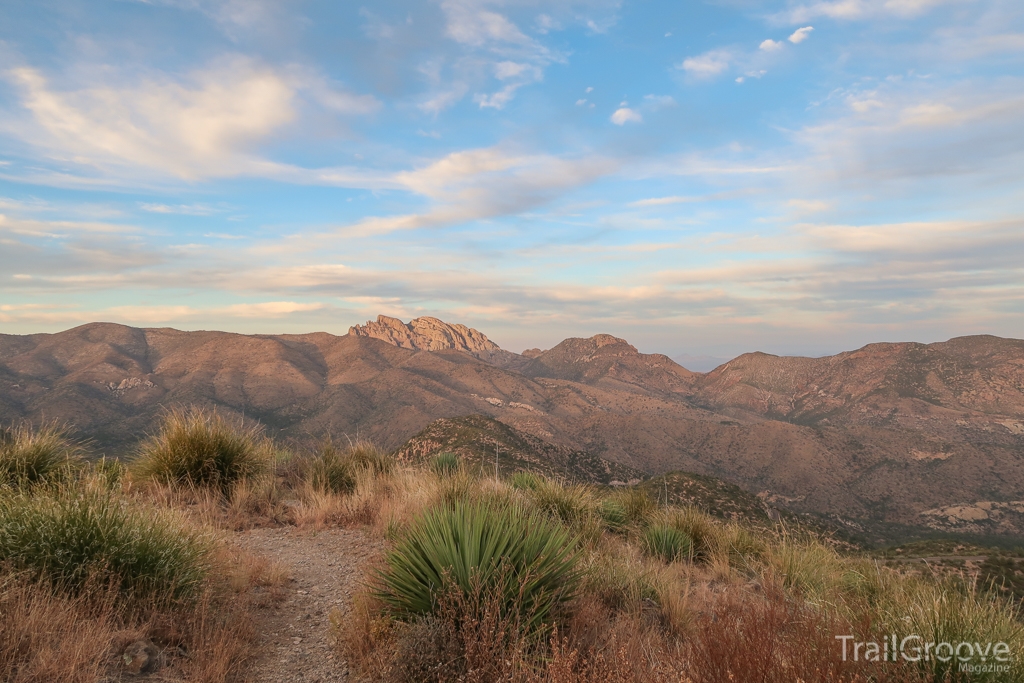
[{"x": 972, "y": 657}]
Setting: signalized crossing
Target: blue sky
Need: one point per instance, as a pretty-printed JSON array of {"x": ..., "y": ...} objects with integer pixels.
[{"x": 701, "y": 178}]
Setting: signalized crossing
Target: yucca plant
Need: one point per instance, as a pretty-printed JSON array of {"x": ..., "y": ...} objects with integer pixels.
[
  {"x": 30, "y": 457},
  {"x": 74, "y": 535},
  {"x": 705, "y": 533},
  {"x": 519, "y": 555},
  {"x": 667, "y": 542},
  {"x": 199, "y": 449},
  {"x": 445, "y": 464},
  {"x": 365, "y": 454},
  {"x": 625, "y": 507}
]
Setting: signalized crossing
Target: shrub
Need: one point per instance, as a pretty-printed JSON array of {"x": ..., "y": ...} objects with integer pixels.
[
  {"x": 570, "y": 503},
  {"x": 705, "y": 533},
  {"x": 667, "y": 542},
  {"x": 613, "y": 513},
  {"x": 445, "y": 464},
  {"x": 526, "y": 481},
  {"x": 519, "y": 555},
  {"x": 73, "y": 536},
  {"x": 364, "y": 454},
  {"x": 30, "y": 457},
  {"x": 330, "y": 470},
  {"x": 199, "y": 449}
]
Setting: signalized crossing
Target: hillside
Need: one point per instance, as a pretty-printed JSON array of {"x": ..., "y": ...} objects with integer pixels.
[
  {"x": 896, "y": 433},
  {"x": 482, "y": 441}
]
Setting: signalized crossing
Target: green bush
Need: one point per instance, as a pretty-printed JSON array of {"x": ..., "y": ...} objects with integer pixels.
[
  {"x": 526, "y": 481},
  {"x": 613, "y": 513},
  {"x": 365, "y": 455},
  {"x": 330, "y": 470},
  {"x": 445, "y": 464},
  {"x": 72, "y": 536},
  {"x": 667, "y": 542},
  {"x": 31, "y": 457},
  {"x": 705, "y": 533},
  {"x": 572, "y": 504},
  {"x": 519, "y": 555},
  {"x": 199, "y": 449}
]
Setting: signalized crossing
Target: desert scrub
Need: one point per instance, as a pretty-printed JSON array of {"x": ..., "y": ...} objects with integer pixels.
[
  {"x": 331, "y": 470},
  {"x": 525, "y": 481},
  {"x": 364, "y": 454},
  {"x": 667, "y": 542},
  {"x": 523, "y": 557},
  {"x": 199, "y": 449},
  {"x": 445, "y": 464},
  {"x": 31, "y": 457},
  {"x": 705, "y": 533},
  {"x": 632, "y": 506},
  {"x": 75, "y": 535}
]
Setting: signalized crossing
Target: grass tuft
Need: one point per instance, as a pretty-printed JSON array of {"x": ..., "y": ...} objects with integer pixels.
[
  {"x": 32, "y": 457},
  {"x": 72, "y": 536},
  {"x": 198, "y": 449},
  {"x": 445, "y": 464},
  {"x": 667, "y": 542}
]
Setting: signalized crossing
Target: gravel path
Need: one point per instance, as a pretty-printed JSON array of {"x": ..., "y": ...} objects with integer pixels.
[{"x": 325, "y": 568}]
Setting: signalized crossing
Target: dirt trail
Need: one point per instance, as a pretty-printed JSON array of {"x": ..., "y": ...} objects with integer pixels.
[{"x": 325, "y": 567}]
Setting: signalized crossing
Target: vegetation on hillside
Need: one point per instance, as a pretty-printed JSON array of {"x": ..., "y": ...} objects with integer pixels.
[{"x": 521, "y": 577}]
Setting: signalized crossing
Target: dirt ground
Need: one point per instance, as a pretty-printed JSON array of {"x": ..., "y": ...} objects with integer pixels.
[{"x": 325, "y": 567}]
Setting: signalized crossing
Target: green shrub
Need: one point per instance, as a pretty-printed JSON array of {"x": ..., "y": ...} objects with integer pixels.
[
  {"x": 705, "y": 533},
  {"x": 526, "y": 481},
  {"x": 572, "y": 504},
  {"x": 519, "y": 555},
  {"x": 31, "y": 457},
  {"x": 364, "y": 454},
  {"x": 330, "y": 470},
  {"x": 631, "y": 506},
  {"x": 72, "y": 536},
  {"x": 445, "y": 464},
  {"x": 199, "y": 449},
  {"x": 667, "y": 542},
  {"x": 613, "y": 513}
]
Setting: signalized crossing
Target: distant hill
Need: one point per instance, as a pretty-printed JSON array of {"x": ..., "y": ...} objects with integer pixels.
[
  {"x": 480, "y": 441},
  {"x": 906, "y": 434}
]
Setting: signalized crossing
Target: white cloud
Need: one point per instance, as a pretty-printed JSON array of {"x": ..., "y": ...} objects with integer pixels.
[
  {"x": 707, "y": 65},
  {"x": 589, "y": 89},
  {"x": 858, "y": 9},
  {"x": 800, "y": 35},
  {"x": 580, "y": 102},
  {"x": 770, "y": 45},
  {"x": 207, "y": 125},
  {"x": 625, "y": 115},
  {"x": 182, "y": 209}
]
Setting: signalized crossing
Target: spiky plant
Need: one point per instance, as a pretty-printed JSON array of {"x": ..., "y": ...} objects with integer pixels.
[
  {"x": 366, "y": 455},
  {"x": 445, "y": 464},
  {"x": 667, "y": 542},
  {"x": 519, "y": 555},
  {"x": 199, "y": 449},
  {"x": 31, "y": 457}
]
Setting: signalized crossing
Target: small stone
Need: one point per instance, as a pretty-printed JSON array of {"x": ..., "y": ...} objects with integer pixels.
[{"x": 141, "y": 657}]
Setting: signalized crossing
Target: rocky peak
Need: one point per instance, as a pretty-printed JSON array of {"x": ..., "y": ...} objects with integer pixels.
[{"x": 431, "y": 334}]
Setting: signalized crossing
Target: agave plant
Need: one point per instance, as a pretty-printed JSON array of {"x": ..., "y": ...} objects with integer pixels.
[{"x": 521, "y": 556}]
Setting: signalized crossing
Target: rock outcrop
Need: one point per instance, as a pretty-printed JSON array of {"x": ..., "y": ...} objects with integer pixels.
[{"x": 431, "y": 334}]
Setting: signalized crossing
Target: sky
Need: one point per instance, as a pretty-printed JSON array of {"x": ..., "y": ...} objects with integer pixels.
[{"x": 702, "y": 178}]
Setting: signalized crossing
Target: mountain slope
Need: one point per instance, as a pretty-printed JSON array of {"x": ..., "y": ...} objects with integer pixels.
[{"x": 890, "y": 432}]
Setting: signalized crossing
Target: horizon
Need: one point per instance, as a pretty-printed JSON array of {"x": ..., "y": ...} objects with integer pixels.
[
  {"x": 702, "y": 179},
  {"x": 694, "y": 362}
]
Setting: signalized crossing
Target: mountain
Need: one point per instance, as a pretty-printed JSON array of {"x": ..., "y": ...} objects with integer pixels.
[
  {"x": 898, "y": 433},
  {"x": 431, "y": 334}
]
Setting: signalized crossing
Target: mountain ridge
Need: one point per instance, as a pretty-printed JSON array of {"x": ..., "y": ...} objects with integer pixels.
[{"x": 887, "y": 432}]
